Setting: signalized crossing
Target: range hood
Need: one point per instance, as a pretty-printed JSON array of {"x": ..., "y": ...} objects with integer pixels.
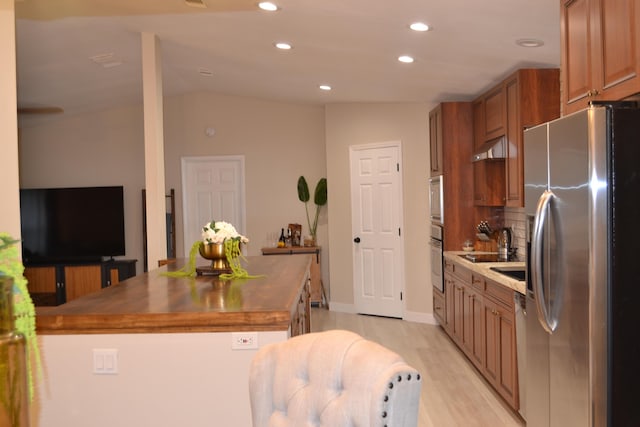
[{"x": 494, "y": 149}]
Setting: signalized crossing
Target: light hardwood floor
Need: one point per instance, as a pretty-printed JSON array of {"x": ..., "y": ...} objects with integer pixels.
[{"x": 453, "y": 392}]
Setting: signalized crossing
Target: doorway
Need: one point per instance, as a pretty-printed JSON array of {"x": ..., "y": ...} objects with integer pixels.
[
  {"x": 376, "y": 221},
  {"x": 213, "y": 190}
]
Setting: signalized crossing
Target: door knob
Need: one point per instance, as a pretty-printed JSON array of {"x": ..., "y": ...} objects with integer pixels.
[{"x": 357, "y": 240}]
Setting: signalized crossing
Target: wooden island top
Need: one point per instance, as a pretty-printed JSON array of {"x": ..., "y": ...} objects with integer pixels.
[{"x": 154, "y": 303}]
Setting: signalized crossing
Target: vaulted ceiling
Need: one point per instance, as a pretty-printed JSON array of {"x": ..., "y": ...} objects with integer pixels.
[{"x": 82, "y": 55}]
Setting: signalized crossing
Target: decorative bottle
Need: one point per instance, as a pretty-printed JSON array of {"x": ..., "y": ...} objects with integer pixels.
[
  {"x": 14, "y": 402},
  {"x": 281, "y": 240}
]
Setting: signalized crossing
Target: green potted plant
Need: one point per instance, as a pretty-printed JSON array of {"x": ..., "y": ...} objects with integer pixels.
[{"x": 319, "y": 199}]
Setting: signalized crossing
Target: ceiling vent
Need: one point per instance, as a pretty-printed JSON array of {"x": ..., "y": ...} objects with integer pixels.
[{"x": 196, "y": 3}]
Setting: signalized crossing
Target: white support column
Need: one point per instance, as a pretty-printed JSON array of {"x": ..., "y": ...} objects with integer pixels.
[
  {"x": 9, "y": 170},
  {"x": 154, "y": 149}
]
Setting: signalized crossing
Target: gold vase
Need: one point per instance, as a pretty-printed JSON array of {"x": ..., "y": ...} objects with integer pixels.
[{"x": 216, "y": 254}]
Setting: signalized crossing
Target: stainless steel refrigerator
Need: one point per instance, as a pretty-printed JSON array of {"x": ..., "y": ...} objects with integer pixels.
[{"x": 582, "y": 204}]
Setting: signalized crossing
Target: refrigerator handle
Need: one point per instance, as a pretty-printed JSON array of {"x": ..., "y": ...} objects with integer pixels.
[{"x": 539, "y": 223}]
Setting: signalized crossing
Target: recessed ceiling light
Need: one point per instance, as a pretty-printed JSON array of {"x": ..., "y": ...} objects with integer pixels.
[
  {"x": 529, "y": 42},
  {"x": 268, "y": 6},
  {"x": 419, "y": 26},
  {"x": 283, "y": 45},
  {"x": 406, "y": 59},
  {"x": 325, "y": 87}
]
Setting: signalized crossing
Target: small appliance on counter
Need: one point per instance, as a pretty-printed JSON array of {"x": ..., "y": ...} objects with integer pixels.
[{"x": 505, "y": 239}]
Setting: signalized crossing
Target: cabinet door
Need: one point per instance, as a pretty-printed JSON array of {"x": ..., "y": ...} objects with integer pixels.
[
  {"x": 616, "y": 57},
  {"x": 600, "y": 51},
  {"x": 500, "y": 352},
  {"x": 82, "y": 280},
  {"x": 449, "y": 286},
  {"x": 439, "y": 307},
  {"x": 514, "y": 163},
  {"x": 43, "y": 285},
  {"x": 458, "y": 317},
  {"x": 489, "y": 183},
  {"x": 576, "y": 58},
  {"x": 478, "y": 123},
  {"x": 473, "y": 336},
  {"x": 494, "y": 114},
  {"x": 435, "y": 141}
]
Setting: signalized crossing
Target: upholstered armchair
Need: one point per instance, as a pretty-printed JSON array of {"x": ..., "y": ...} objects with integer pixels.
[{"x": 332, "y": 379}]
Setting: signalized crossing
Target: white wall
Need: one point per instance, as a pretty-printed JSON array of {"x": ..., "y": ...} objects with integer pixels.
[
  {"x": 279, "y": 141},
  {"x": 355, "y": 124},
  {"x": 10, "y": 213},
  {"x": 163, "y": 380}
]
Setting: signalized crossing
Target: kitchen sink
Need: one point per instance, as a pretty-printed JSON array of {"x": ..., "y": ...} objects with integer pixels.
[{"x": 512, "y": 272}]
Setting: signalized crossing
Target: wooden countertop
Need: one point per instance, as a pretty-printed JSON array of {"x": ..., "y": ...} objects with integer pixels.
[
  {"x": 153, "y": 303},
  {"x": 484, "y": 268}
]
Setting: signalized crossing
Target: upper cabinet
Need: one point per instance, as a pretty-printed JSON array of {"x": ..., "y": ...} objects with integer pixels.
[
  {"x": 451, "y": 143},
  {"x": 435, "y": 140},
  {"x": 528, "y": 97},
  {"x": 494, "y": 113},
  {"x": 600, "y": 51}
]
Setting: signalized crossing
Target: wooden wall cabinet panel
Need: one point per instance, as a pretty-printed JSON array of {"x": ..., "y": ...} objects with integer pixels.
[
  {"x": 435, "y": 141},
  {"x": 454, "y": 119},
  {"x": 494, "y": 114},
  {"x": 529, "y": 97},
  {"x": 600, "y": 43}
]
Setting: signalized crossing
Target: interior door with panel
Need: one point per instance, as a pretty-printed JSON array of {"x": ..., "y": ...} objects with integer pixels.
[
  {"x": 376, "y": 221},
  {"x": 213, "y": 190}
]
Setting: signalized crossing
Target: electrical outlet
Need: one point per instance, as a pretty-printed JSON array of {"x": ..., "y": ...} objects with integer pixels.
[
  {"x": 244, "y": 340},
  {"x": 105, "y": 361}
]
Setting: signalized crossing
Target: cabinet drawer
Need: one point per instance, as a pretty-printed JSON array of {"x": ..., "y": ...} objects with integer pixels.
[
  {"x": 461, "y": 272},
  {"x": 500, "y": 293}
]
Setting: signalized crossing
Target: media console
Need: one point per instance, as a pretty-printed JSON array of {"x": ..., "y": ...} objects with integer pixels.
[{"x": 56, "y": 283}]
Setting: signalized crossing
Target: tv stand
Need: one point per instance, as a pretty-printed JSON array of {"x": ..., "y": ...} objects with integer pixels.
[{"x": 55, "y": 283}]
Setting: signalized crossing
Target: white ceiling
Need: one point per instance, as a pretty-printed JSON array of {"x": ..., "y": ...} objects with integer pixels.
[{"x": 351, "y": 45}]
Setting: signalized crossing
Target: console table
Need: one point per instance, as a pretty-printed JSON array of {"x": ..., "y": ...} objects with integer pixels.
[{"x": 317, "y": 289}]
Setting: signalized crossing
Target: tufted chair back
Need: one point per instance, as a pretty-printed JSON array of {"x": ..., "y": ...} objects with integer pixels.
[{"x": 332, "y": 379}]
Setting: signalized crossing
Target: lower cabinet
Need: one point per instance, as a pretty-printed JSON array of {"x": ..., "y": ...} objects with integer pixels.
[
  {"x": 480, "y": 318},
  {"x": 56, "y": 284},
  {"x": 301, "y": 317}
]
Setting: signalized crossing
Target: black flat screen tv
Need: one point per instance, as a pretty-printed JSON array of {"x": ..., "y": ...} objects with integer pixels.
[{"x": 71, "y": 224}]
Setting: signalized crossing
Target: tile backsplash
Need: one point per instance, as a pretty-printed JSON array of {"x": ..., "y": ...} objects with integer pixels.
[{"x": 515, "y": 218}]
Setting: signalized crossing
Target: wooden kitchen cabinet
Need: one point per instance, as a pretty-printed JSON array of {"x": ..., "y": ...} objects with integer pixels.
[
  {"x": 435, "y": 141},
  {"x": 439, "y": 306},
  {"x": 58, "y": 283},
  {"x": 480, "y": 319},
  {"x": 494, "y": 113},
  {"x": 600, "y": 42},
  {"x": 500, "y": 365},
  {"x": 451, "y": 128},
  {"x": 530, "y": 97}
]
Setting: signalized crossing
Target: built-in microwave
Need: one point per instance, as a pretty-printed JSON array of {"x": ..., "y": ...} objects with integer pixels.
[{"x": 436, "y": 199}]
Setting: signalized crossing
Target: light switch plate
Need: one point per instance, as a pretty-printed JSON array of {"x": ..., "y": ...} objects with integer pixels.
[{"x": 105, "y": 361}]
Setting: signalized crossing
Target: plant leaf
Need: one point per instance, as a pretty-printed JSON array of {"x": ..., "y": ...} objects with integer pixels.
[
  {"x": 320, "y": 196},
  {"x": 303, "y": 190}
]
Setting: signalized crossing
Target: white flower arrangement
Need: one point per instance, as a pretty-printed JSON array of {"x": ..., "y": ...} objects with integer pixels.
[{"x": 219, "y": 231}]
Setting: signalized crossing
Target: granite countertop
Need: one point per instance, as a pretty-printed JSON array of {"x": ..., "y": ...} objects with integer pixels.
[{"x": 484, "y": 268}]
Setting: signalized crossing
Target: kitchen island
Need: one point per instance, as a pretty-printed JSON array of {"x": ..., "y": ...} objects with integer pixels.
[{"x": 163, "y": 351}]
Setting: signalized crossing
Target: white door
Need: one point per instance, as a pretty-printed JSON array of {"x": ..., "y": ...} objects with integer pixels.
[
  {"x": 213, "y": 190},
  {"x": 376, "y": 221}
]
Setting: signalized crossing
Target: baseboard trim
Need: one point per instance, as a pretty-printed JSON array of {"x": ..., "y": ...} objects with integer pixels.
[
  {"x": 415, "y": 316},
  {"x": 342, "y": 308}
]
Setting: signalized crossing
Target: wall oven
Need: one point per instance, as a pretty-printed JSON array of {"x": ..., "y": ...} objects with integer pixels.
[
  {"x": 435, "y": 243},
  {"x": 436, "y": 200}
]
